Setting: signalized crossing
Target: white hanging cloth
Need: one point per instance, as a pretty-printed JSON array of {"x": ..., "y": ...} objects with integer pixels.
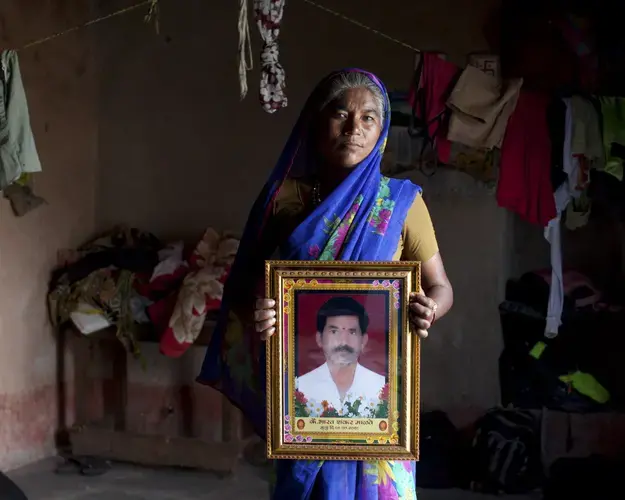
[
  {"x": 272, "y": 77},
  {"x": 553, "y": 231}
]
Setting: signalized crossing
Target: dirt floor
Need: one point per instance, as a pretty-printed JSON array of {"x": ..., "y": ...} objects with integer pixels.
[{"x": 126, "y": 482}]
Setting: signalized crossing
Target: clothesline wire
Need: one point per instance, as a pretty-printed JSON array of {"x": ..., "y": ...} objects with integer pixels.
[
  {"x": 119, "y": 12},
  {"x": 361, "y": 25},
  {"x": 145, "y": 3}
]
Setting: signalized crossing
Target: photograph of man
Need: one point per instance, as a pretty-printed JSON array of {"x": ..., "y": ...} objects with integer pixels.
[{"x": 342, "y": 324}]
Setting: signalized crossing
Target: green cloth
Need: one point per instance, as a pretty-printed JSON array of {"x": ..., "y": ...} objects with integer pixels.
[
  {"x": 586, "y": 384},
  {"x": 537, "y": 351},
  {"x": 613, "y": 111},
  {"x": 18, "y": 154}
]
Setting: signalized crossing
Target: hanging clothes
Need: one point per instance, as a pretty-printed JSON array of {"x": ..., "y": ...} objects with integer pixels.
[
  {"x": 525, "y": 166},
  {"x": 272, "y": 76},
  {"x": 553, "y": 231},
  {"x": 18, "y": 154},
  {"x": 480, "y": 107},
  {"x": 586, "y": 137},
  {"x": 428, "y": 97},
  {"x": 587, "y": 152},
  {"x": 613, "y": 113},
  {"x": 570, "y": 161}
]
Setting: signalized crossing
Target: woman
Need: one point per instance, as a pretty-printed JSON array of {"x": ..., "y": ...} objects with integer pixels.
[{"x": 326, "y": 200}]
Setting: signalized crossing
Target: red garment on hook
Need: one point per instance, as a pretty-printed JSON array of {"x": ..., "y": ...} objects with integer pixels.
[
  {"x": 434, "y": 86},
  {"x": 525, "y": 166}
]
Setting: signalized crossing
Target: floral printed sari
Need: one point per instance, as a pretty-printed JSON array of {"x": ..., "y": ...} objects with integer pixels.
[{"x": 361, "y": 220}]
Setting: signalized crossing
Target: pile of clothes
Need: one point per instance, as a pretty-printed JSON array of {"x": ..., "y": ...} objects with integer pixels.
[{"x": 128, "y": 277}]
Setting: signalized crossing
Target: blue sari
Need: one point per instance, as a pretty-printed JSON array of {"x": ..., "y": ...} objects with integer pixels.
[{"x": 361, "y": 220}]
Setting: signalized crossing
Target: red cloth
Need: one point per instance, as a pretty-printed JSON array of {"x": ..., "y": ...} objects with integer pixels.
[
  {"x": 525, "y": 167},
  {"x": 437, "y": 79},
  {"x": 181, "y": 316},
  {"x": 195, "y": 299}
]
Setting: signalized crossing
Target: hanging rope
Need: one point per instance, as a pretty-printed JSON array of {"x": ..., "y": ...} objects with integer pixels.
[
  {"x": 151, "y": 16},
  {"x": 269, "y": 15},
  {"x": 245, "y": 47},
  {"x": 361, "y": 25},
  {"x": 154, "y": 15}
]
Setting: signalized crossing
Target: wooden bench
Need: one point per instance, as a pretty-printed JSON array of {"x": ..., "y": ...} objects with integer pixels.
[{"x": 110, "y": 438}]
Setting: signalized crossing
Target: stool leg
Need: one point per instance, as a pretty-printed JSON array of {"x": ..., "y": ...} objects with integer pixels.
[{"x": 120, "y": 379}]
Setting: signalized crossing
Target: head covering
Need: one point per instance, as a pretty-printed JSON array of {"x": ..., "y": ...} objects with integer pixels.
[{"x": 361, "y": 220}]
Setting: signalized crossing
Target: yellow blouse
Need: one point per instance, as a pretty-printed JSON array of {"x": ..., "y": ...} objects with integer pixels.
[{"x": 294, "y": 203}]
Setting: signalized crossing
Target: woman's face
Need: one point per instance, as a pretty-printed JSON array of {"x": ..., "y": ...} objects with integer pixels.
[{"x": 349, "y": 128}]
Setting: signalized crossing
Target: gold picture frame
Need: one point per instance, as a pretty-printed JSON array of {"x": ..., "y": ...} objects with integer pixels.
[{"x": 370, "y": 412}]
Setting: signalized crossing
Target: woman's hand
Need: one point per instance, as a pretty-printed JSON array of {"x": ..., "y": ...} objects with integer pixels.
[
  {"x": 265, "y": 317},
  {"x": 422, "y": 312}
]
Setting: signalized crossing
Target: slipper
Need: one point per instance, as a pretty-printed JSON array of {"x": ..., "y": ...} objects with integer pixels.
[{"x": 84, "y": 465}]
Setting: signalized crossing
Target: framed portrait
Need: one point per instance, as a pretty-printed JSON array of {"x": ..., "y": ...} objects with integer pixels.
[{"x": 343, "y": 366}]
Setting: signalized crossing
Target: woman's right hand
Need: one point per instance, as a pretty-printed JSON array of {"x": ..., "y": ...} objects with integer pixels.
[{"x": 265, "y": 317}]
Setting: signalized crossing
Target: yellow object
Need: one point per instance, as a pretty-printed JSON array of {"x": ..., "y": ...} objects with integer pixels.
[
  {"x": 587, "y": 385},
  {"x": 538, "y": 350}
]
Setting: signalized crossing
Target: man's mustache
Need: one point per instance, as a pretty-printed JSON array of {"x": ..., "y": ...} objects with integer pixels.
[{"x": 344, "y": 348}]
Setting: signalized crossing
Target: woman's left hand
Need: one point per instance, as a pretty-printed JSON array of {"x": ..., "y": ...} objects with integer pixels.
[{"x": 422, "y": 313}]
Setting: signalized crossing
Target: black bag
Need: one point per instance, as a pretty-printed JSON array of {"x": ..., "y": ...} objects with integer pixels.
[{"x": 506, "y": 452}]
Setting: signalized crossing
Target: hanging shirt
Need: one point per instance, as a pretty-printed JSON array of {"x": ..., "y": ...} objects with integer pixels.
[
  {"x": 429, "y": 98},
  {"x": 553, "y": 235},
  {"x": 587, "y": 153},
  {"x": 18, "y": 154},
  {"x": 553, "y": 232},
  {"x": 480, "y": 107},
  {"x": 586, "y": 135},
  {"x": 570, "y": 161},
  {"x": 525, "y": 166}
]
